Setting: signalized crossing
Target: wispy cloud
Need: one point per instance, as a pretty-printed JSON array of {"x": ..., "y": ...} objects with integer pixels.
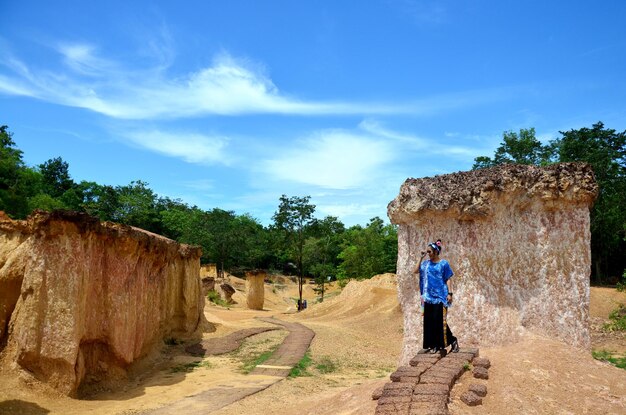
[
  {"x": 82, "y": 59},
  {"x": 427, "y": 145},
  {"x": 334, "y": 159},
  {"x": 228, "y": 86},
  {"x": 377, "y": 129},
  {"x": 191, "y": 147}
]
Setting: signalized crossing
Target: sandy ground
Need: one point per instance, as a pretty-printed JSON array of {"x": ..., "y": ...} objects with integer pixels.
[{"x": 357, "y": 344}]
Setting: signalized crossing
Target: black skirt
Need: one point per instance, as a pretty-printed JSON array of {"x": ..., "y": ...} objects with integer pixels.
[{"x": 437, "y": 334}]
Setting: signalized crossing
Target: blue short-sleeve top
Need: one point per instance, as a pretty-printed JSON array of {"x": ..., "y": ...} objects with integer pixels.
[{"x": 433, "y": 278}]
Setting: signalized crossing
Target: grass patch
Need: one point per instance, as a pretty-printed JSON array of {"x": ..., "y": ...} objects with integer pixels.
[
  {"x": 326, "y": 365},
  {"x": 214, "y": 297},
  {"x": 255, "y": 360},
  {"x": 617, "y": 319},
  {"x": 467, "y": 366},
  {"x": 300, "y": 369},
  {"x": 189, "y": 367},
  {"x": 607, "y": 356},
  {"x": 257, "y": 349}
]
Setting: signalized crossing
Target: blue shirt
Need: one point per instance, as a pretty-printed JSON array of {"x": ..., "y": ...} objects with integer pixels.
[{"x": 433, "y": 278}]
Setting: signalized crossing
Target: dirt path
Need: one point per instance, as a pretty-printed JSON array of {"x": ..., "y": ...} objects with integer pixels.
[
  {"x": 274, "y": 369},
  {"x": 226, "y": 344}
]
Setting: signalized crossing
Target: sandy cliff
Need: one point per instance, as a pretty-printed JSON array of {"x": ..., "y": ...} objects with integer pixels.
[
  {"x": 517, "y": 238},
  {"x": 81, "y": 300}
]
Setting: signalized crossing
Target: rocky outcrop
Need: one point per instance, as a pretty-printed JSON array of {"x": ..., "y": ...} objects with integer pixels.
[
  {"x": 517, "y": 238},
  {"x": 80, "y": 300},
  {"x": 226, "y": 291}
]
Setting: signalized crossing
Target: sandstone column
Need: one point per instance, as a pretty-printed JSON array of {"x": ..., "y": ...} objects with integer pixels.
[
  {"x": 518, "y": 240},
  {"x": 256, "y": 289}
]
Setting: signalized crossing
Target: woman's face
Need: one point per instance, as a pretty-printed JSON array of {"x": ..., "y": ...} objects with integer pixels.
[{"x": 432, "y": 254}]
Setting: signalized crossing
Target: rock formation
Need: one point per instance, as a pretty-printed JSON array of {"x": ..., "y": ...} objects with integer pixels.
[
  {"x": 208, "y": 270},
  {"x": 255, "y": 289},
  {"x": 226, "y": 292},
  {"x": 517, "y": 238},
  {"x": 80, "y": 300}
]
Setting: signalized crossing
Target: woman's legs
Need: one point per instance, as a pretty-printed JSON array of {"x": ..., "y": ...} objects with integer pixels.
[
  {"x": 448, "y": 337},
  {"x": 437, "y": 334}
]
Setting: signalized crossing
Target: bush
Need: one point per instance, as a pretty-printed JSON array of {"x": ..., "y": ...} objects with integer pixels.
[
  {"x": 606, "y": 356},
  {"x": 326, "y": 365},
  {"x": 617, "y": 319},
  {"x": 214, "y": 297}
]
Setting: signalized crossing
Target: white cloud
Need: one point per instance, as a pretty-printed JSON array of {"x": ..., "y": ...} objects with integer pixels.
[
  {"x": 375, "y": 128},
  {"x": 191, "y": 147},
  {"x": 81, "y": 58},
  {"x": 227, "y": 87},
  {"x": 333, "y": 159}
]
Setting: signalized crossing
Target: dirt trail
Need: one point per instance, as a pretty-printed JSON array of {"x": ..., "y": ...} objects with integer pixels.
[{"x": 275, "y": 369}]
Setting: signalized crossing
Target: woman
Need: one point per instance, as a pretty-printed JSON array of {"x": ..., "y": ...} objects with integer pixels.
[{"x": 436, "y": 293}]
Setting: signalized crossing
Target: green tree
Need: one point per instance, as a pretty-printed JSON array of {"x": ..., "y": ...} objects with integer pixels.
[
  {"x": 293, "y": 219},
  {"x": 369, "y": 251},
  {"x": 136, "y": 206},
  {"x": 56, "y": 178},
  {"x": 100, "y": 200},
  {"x": 521, "y": 148},
  {"x": 220, "y": 226},
  {"x": 17, "y": 182},
  {"x": 605, "y": 150},
  {"x": 320, "y": 255},
  {"x": 251, "y": 248}
]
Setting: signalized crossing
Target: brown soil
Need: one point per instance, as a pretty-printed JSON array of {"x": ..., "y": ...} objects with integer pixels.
[{"x": 357, "y": 342}]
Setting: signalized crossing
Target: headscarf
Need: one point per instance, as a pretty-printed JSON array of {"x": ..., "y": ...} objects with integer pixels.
[{"x": 436, "y": 245}]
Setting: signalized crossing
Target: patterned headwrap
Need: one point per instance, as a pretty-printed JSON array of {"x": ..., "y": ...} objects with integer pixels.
[{"x": 436, "y": 246}]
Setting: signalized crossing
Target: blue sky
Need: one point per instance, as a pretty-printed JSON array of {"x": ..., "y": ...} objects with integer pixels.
[{"x": 231, "y": 104}]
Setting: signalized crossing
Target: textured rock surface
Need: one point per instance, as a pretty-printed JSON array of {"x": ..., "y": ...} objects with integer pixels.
[
  {"x": 478, "y": 388},
  {"x": 255, "y": 289},
  {"x": 517, "y": 238},
  {"x": 471, "y": 399},
  {"x": 226, "y": 291},
  {"x": 82, "y": 300},
  {"x": 481, "y": 362},
  {"x": 480, "y": 373},
  {"x": 425, "y": 385}
]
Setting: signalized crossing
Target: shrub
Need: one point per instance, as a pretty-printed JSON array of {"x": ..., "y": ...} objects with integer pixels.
[
  {"x": 617, "y": 319},
  {"x": 214, "y": 297},
  {"x": 326, "y": 365}
]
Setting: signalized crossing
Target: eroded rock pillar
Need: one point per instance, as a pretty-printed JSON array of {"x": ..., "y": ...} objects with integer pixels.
[
  {"x": 255, "y": 289},
  {"x": 518, "y": 240}
]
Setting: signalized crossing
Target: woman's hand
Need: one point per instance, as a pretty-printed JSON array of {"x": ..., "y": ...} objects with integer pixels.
[{"x": 449, "y": 298}]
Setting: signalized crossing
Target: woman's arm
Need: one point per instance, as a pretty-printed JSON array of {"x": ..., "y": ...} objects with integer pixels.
[
  {"x": 416, "y": 270},
  {"x": 450, "y": 290}
]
